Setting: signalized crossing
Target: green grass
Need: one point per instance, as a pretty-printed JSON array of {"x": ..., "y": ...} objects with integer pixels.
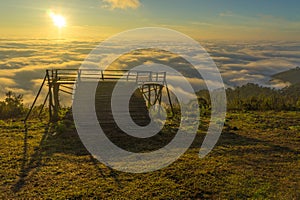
[{"x": 257, "y": 157}]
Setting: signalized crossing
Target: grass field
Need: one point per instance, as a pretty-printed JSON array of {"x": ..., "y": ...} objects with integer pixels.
[{"x": 257, "y": 157}]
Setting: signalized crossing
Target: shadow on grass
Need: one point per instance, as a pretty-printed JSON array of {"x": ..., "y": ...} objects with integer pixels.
[
  {"x": 67, "y": 143},
  {"x": 35, "y": 160},
  {"x": 232, "y": 139}
]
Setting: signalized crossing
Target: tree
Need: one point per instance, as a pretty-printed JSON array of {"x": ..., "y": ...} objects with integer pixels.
[{"x": 12, "y": 106}]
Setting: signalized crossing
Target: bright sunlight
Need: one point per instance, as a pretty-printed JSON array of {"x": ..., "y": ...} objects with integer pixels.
[{"x": 57, "y": 19}]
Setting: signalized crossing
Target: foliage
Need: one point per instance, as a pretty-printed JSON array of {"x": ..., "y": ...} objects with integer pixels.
[
  {"x": 254, "y": 97},
  {"x": 12, "y": 106}
]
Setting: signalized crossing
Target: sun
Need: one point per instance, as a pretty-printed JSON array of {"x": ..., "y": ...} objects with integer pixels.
[{"x": 57, "y": 19}]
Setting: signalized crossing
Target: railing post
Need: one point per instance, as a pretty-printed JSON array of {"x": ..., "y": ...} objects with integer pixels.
[
  {"x": 128, "y": 74},
  {"x": 137, "y": 77},
  {"x": 50, "y": 94},
  {"x": 164, "y": 78},
  {"x": 55, "y": 96},
  {"x": 168, "y": 93},
  {"x": 79, "y": 75},
  {"x": 150, "y": 76},
  {"x": 102, "y": 75}
]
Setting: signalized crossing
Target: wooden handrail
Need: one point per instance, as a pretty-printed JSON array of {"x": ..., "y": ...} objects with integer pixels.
[
  {"x": 38, "y": 94},
  {"x": 69, "y": 74}
]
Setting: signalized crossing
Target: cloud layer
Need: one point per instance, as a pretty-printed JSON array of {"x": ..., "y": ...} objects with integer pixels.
[{"x": 23, "y": 62}]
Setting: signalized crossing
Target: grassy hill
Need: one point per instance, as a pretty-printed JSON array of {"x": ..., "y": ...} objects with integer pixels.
[
  {"x": 292, "y": 76},
  {"x": 257, "y": 157}
]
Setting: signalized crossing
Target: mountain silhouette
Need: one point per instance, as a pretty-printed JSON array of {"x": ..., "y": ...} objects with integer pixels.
[{"x": 292, "y": 76}]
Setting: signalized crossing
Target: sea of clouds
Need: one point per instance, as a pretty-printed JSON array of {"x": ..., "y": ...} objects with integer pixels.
[{"x": 23, "y": 61}]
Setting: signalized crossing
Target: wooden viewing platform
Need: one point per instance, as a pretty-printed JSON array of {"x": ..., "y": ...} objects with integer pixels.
[{"x": 150, "y": 85}]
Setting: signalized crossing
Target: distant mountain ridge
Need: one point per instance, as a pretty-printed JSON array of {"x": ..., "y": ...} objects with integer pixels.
[{"x": 292, "y": 76}]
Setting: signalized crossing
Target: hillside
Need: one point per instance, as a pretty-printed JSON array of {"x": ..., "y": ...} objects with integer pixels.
[
  {"x": 257, "y": 157},
  {"x": 292, "y": 76}
]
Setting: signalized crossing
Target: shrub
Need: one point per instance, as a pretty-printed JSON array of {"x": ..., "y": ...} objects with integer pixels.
[{"x": 12, "y": 106}]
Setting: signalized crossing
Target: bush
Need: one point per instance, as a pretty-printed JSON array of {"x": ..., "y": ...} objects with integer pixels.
[{"x": 12, "y": 107}]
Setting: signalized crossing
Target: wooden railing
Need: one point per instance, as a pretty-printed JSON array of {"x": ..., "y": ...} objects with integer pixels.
[{"x": 69, "y": 76}]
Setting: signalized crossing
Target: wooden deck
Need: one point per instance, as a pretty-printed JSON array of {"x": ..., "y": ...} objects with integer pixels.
[{"x": 63, "y": 80}]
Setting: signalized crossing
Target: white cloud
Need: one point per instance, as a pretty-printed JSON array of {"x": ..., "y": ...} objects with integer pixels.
[
  {"x": 227, "y": 14},
  {"x": 121, "y": 4}
]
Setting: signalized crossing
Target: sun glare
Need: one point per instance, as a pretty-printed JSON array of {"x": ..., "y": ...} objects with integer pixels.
[{"x": 57, "y": 19}]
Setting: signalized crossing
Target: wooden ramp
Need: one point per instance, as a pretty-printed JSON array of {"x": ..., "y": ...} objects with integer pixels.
[
  {"x": 139, "y": 114},
  {"x": 137, "y": 105}
]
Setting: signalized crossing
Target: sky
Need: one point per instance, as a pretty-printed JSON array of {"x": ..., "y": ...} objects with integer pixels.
[
  {"x": 200, "y": 19},
  {"x": 248, "y": 40}
]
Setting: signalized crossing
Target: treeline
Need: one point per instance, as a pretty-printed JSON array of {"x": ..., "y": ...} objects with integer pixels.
[
  {"x": 255, "y": 97},
  {"x": 249, "y": 97}
]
